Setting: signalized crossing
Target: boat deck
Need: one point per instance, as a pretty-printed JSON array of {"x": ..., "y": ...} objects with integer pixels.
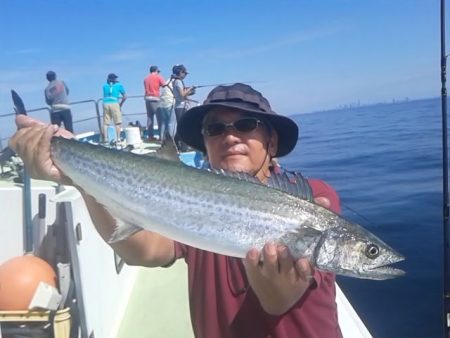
[{"x": 158, "y": 306}]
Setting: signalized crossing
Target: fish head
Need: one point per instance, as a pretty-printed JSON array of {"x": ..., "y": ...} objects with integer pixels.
[{"x": 357, "y": 253}]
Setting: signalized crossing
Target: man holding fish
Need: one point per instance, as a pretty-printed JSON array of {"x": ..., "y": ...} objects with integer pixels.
[{"x": 269, "y": 293}]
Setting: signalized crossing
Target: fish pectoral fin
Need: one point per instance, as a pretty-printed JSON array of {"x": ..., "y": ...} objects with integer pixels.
[
  {"x": 123, "y": 231},
  {"x": 69, "y": 195},
  {"x": 308, "y": 224},
  {"x": 302, "y": 240},
  {"x": 307, "y": 233}
]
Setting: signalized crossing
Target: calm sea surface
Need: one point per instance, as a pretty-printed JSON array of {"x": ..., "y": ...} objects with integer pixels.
[{"x": 385, "y": 162}]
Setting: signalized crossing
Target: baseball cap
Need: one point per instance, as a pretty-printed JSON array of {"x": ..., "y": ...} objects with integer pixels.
[
  {"x": 177, "y": 69},
  {"x": 112, "y": 76}
]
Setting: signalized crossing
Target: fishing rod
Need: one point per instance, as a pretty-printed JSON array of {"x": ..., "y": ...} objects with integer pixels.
[
  {"x": 19, "y": 109},
  {"x": 225, "y": 84},
  {"x": 446, "y": 277}
]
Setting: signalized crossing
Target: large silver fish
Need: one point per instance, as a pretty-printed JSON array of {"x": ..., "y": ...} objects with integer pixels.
[{"x": 219, "y": 213}]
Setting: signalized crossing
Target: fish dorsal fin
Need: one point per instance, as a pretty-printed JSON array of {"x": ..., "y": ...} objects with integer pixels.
[
  {"x": 280, "y": 182},
  {"x": 168, "y": 150},
  {"x": 236, "y": 174},
  {"x": 292, "y": 183}
]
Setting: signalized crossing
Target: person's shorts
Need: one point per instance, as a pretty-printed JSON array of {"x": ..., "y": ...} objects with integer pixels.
[{"x": 111, "y": 111}]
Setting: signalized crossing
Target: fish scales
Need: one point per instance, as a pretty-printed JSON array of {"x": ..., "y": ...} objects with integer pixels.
[
  {"x": 168, "y": 197},
  {"x": 207, "y": 210}
]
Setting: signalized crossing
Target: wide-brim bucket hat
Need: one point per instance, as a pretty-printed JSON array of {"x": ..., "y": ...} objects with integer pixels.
[{"x": 242, "y": 97}]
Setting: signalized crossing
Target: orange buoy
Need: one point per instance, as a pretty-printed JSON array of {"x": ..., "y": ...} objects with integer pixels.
[{"x": 19, "y": 279}]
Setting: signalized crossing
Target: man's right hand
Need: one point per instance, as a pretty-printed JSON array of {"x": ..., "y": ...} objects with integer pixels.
[
  {"x": 32, "y": 143},
  {"x": 191, "y": 91}
]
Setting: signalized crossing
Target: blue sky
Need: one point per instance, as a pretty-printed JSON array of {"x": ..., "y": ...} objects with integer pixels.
[{"x": 303, "y": 55}]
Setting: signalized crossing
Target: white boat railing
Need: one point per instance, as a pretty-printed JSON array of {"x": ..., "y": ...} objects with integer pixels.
[{"x": 94, "y": 106}]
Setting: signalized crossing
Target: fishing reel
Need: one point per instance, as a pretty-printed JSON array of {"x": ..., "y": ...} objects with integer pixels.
[
  {"x": 12, "y": 167},
  {"x": 191, "y": 90}
]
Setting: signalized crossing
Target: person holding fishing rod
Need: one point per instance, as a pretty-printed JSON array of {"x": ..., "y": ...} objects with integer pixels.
[
  {"x": 181, "y": 94},
  {"x": 266, "y": 294}
]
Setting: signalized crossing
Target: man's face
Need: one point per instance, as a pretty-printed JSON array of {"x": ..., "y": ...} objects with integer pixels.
[
  {"x": 183, "y": 74},
  {"x": 239, "y": 151}
]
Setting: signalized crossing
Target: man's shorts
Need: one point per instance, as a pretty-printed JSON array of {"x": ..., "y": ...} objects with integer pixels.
[{"x": 111, "y": 111}]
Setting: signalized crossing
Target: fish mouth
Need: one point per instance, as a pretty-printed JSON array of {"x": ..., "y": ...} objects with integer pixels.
[
  {"x": 382, "y": 273},
  {"x": 385, "y": 271}
]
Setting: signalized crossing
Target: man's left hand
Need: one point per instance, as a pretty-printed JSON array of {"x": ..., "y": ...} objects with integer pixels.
[{"x": 278, "y": 280}]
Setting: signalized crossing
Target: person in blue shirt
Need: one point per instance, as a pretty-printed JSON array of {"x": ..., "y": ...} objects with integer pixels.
[{"x": 113, "y": 98}]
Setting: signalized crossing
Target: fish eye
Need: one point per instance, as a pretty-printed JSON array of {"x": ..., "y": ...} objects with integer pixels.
[{"x": 372, "y": 251}]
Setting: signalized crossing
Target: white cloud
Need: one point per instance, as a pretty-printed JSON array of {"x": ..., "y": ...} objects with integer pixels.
[
  {"x": 25, "y": 51},
  {"x": 275, "y": 44},
  {"x": 128, "y": 54},
  {"x": 25, "y": 80},
  {"x": 183, "y": 40}
]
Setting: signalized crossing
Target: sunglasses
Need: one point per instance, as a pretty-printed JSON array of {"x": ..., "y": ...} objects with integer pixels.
[{"x": 244, "y": 125}]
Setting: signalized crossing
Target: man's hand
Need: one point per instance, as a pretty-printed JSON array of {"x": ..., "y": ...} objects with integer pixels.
[
  {"x": 32, "y": 143},
  {"x": 278, "y": 280},
  {"x": 190, "y": 91},
  {"x": 122, "y": 100}
]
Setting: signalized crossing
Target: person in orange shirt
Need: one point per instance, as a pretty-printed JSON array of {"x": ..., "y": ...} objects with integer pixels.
[{"x": 152, "y": 83}]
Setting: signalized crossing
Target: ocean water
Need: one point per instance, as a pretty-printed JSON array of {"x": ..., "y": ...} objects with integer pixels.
[{"x": 385, "y": 162}]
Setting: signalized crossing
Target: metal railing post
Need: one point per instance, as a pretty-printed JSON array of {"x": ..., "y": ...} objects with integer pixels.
[{"x": 97, "y": 110}]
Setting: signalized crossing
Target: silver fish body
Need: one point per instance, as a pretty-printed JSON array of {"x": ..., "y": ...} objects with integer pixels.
[{"x": 218, "y": 213}]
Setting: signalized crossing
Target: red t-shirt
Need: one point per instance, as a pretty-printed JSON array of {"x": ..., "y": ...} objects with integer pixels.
[
  {"x": 152, "y": 83},
  {"x": 222, "y": 304}
]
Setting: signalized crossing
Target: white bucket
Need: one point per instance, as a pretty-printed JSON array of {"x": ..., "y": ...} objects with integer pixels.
[{"x": 133, "y": 135}]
